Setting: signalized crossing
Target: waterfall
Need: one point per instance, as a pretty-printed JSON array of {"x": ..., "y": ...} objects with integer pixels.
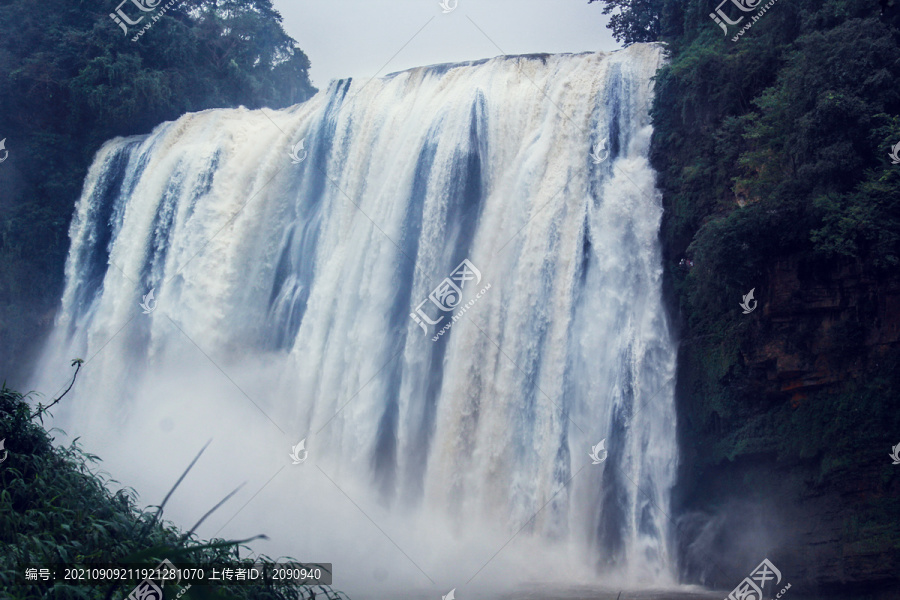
[{"x": 447, "y": 282}]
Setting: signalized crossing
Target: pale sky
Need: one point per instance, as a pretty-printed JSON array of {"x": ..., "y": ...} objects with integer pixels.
[{"x": 362, "y": 38}]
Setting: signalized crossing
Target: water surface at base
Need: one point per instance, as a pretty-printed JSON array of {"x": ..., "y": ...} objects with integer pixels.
[
  {"x": 557, "y": 592},
  {"x": 586, "y": 593}
]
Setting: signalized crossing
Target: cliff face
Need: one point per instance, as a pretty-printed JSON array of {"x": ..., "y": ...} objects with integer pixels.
[
  {"x": 773, "y": 161},
  {"x": 785, "y": 447},
  {"x": 820, "y": 329}
]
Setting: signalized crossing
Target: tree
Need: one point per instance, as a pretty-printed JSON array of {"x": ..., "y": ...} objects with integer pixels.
[
  {"x": 633, "y": 20},
  {"x": 70, "y": 80}
]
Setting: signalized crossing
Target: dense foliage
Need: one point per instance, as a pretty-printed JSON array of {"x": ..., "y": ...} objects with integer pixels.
[
  {"x": 772, "y": 149},
  {"x": 71, "y": 79},
  {"x": 55, "y": 509},
  {"x": 775, "y": 150},
  {"x": 777, "y": 143}
]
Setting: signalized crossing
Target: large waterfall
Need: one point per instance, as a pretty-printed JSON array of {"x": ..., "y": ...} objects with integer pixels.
[{"x": 447, "y": 282}]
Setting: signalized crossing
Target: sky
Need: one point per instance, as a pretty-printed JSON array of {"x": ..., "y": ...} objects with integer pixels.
[{"x": 364, "y": 38}]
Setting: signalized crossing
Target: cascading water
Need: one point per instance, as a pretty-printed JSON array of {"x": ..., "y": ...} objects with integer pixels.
[{"x": 282, "y": 302}]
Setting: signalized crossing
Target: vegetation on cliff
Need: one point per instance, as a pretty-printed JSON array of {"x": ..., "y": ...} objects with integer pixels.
[
  {"x": 55, "y": 509},
  {"x": 70, "y": 79},
  {"x": 772, "y": 149}
]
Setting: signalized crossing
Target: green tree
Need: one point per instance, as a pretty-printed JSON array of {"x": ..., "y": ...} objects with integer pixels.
[
  {"x": 633, "y": 20},
  {"x": 70, "y": 79},
  {"x": 772, "y": 156}
]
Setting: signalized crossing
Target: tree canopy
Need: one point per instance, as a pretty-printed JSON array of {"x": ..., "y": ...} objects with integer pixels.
[
  {"x": 772, "y": 150},
  {"x": 70, "y": 78}
]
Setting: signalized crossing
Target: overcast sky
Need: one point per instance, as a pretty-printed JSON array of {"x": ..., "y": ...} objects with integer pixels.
[{"x": 356, "y": 38}]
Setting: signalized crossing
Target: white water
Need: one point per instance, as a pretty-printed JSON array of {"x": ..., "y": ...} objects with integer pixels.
[{"x": 284, "y": 293}]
